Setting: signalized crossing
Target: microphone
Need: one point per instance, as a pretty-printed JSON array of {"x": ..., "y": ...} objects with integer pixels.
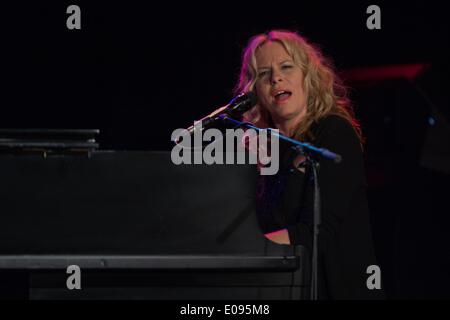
[{"x": 235, "y": 108}]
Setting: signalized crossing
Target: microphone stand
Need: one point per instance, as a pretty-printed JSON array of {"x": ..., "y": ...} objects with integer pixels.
[{"x": 305, "y": 149}]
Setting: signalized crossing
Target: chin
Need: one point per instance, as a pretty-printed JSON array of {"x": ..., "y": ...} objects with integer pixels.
[{"x": 287, "y": 115}]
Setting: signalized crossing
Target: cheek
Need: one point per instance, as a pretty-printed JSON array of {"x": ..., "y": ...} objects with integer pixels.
[
  {"x": 263, "y": 92},
  {"x": 300, "y": 83}
]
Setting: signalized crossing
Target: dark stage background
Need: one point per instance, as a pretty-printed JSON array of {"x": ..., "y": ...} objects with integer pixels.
[{"x": 138, "y": 71}]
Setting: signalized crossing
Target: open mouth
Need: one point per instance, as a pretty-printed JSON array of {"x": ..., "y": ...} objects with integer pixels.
[{"x": 282, "y": 95}]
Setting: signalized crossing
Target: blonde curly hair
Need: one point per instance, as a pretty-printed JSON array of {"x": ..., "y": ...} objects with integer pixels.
[{"x": 325, "y": 92}]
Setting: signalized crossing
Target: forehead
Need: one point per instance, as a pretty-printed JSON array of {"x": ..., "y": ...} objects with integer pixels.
[{"x": 271, "y": 52}]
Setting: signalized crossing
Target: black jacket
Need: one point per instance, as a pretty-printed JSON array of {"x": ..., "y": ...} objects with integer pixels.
[{"x": 285, "y": 200}]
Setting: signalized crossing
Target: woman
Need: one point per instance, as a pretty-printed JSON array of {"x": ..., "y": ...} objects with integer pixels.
[{"x": 299, "y": 94}]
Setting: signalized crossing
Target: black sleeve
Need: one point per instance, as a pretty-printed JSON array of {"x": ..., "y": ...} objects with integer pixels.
[
  {"x": 337, "y": 181},
  {"x": 280, "y": 196}
]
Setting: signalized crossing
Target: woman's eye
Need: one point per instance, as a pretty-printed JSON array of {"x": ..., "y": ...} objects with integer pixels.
[
  {"x": 286, "y": 66},
  {"x": 263, "y": 73}
]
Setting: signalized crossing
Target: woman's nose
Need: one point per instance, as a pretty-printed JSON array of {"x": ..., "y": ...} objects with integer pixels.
[{"x": 276, "y": 77}]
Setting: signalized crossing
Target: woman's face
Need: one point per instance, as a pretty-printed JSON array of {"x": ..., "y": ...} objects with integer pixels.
[{"x": 279, "y": 84}]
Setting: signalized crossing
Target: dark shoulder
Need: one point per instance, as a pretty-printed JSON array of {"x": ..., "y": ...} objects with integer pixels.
[
  {"x": 336, "y": 133},
  {"x": 333, "y": 121},
  {"x": 334, "y": 126}
]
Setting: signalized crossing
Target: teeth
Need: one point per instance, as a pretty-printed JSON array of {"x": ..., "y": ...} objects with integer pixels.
[{"x": 280, "y": 92}]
